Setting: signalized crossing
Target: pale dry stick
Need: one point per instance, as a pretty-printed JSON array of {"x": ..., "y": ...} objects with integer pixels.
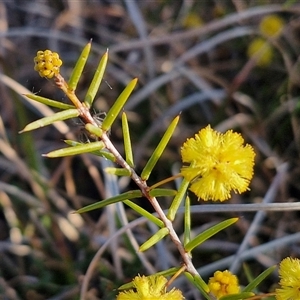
[
  {"x": 141, "y": 27},
  {"x": 251, "y": 207}
]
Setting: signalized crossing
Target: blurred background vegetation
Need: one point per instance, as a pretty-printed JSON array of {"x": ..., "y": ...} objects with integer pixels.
[{"x": 191, "y": 57}]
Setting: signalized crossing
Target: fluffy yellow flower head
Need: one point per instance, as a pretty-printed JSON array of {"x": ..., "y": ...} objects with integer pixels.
[
  {"x": 223, "y": 283},
  {"x": 289, "y": 273},
  {"x": 262, "y": 49},
  {"x": 271, "y": 25},
  {"x": 150, "y": 288},
  {"x": 219, "y": 163},
  {"x": 47, "y": 63}
]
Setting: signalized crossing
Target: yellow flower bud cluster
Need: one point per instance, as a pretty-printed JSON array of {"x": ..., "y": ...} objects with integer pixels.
[
  {"x": 47, "y": 63},
  {"x": 223, "y": 283},
  {"x": 270, "y": 26}
]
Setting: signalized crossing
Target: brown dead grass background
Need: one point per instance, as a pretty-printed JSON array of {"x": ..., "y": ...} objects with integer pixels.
[{"x": 199, "y": 69}]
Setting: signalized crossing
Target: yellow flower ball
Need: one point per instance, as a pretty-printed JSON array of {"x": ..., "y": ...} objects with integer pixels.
[
  {"x": 150, "y": 288},
  {"x": 223, "y": 283},
  {"x": 193, "y": 20},
  {"x": 47, "y": 63},
  {"x": 289, "y": 273},
  {"x": 219, "y": 164},
  {"x": 262, "y": 50},
  {"x": 271, "y": 25}
]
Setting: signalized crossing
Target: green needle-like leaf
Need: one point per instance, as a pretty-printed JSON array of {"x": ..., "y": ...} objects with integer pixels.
[
  {"x": 94, "y": 87},
  {"x": 248, "y": 272},
  {"x": 199, "y": 283},
  {"x": 168, "y": 272},
  {"x": 83, "y": 148},
  {"x": 159, "y": 235},
  {"x": 118, "y": 105},
  {"x": 162, "y": 193},
  {"x": 103, "y": 203},
  {"x": 187, "y": 221},
  {"x": 73, "y": 143},
  {"x": 144, "y": 213},
  {"x": 202, "y": 237},
  {"x": 96, "y": 131},
  {"x": 49, "y": 102},
  {"x": 77, "y": 71},
  {"x": 127, "y": 141},
  {"x": 117, "y": 171},
  {"x": 105, "y": 154},
  {"x": 253, "y": 284},
  {"x": 60, "y": 116},
  {"x": 178, "y": 199},
  {"x": 102, "y": 153},
  {"x": 159, "y": 150}
]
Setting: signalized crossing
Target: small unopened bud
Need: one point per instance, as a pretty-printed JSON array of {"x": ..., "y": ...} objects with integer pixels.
[{"x": 47, "y": 63}]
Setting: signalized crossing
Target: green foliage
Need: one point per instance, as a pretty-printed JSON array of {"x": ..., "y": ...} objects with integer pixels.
[
  {"x": 49, "y": 102},
  {"x": 159, "y": 150},
  {"x": 60, "y": 116},
  {"x": 118, "y": 105},
  {"x": 78, "y": 149},
  {"x": 158, "y": 236},
  {"x": 259, "y": 279},
  {"x": 127, "y": 141},
  {"x": 202, "y": 237},
  {"x": 77, "y": 71},
  {"x": 94, "y": 87},
  {"x": 128, "y": 195}
]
